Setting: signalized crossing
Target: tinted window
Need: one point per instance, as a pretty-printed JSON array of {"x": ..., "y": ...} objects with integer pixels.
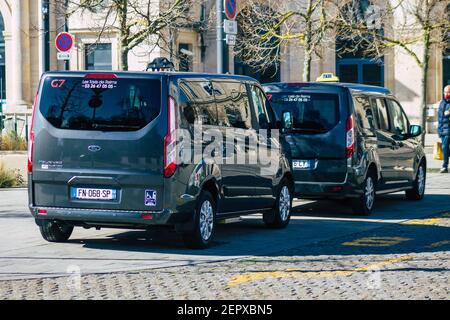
[
  {"x": 398, "y": 117},
  {"x": 100, "y": 104},
  {"x": 312, "y": 112},
  {"x": 364, "y": 114},
  {"x": 261, "y": 107},
  {"x": 197, "y": 102},
  {"x": 383, "y": 118},
  {"x": 232, "y": 104}
]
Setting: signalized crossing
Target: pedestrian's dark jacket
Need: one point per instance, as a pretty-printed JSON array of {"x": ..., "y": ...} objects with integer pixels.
[{"x": 444, "y": 121}]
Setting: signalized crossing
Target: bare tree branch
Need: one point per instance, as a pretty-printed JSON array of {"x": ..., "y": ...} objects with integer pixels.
[
  {"x": 136, "y": 21},
  {"x": 267, "y": 29},
  {"x": 404, "y": 25}
]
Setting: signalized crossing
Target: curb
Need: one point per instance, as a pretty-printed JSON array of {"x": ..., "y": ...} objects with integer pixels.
[{"x": 13, "y": 189}]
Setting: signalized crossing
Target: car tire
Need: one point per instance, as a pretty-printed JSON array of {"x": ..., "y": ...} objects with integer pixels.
[
  {"x": 280, "y": 215},
  {"x": 200, "y": 237},
  {"x": 363, "y": 205},
  {"x": 418, "y": 187},
  {"x": 52, "y": 231}
]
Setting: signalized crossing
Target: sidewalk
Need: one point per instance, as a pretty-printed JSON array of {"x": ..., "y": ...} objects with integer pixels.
[{"x": 430, "y": 140}]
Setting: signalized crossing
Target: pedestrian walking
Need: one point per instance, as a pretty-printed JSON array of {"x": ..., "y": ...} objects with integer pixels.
[{"x": 444, "y": 127}]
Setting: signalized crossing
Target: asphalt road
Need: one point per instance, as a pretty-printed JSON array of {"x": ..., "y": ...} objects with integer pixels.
[{"x": 323, "y": 242}]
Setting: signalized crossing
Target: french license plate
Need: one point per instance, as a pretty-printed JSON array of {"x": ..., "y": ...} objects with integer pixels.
[
  {"x": 93, "y": 194},
  {"x": 303, "y": 164}
]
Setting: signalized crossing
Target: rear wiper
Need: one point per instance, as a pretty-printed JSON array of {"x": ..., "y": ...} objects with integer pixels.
[
  {"x": 113, "y": 126},
  {"x": 309, "y": 130}
]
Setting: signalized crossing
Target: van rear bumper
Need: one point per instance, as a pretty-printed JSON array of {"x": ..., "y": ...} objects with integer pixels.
[
  {"x": 109, "y": 217},
  {"x": 349, "y": 188}
]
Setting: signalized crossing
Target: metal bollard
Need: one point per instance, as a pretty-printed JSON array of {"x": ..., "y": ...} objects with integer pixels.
[
  {"x": 26, "y": 128},
  {"x": 15, "y": 123}
]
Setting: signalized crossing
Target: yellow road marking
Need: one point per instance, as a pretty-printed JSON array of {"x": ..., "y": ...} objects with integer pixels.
[
  {"x": 376, "y": 241},
  {"x": 427, "y": 222},
  {"x": 295, "y": 273},
  {"x": 439, "y": 244}
]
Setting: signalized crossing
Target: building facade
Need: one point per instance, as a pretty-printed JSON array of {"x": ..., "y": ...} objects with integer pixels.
[
  {"x": 19, "y": 68},
  {"x": 192, "y": 49}
]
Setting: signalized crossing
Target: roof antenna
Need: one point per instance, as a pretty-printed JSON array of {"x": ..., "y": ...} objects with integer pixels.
[{"x": 160, "y": 64}]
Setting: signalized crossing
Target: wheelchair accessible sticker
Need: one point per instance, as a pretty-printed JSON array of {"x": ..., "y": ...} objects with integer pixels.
[{"x": 150, "y": 198}]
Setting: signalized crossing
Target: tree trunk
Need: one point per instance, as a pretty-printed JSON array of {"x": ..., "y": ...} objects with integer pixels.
[
  {"x": 424, "y": 88},
  {"x": 424, "y": 82},
  {"x": 307, "y": 65},
  {"x": 308, "y": 45},
  {"x": 124, "y": 35},
  {"x": 123, "y": 58}
]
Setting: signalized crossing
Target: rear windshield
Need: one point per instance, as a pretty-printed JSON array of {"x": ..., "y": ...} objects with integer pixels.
[
  {"x": 100, "y": 104},
  {"x": 312, "y": 112}
]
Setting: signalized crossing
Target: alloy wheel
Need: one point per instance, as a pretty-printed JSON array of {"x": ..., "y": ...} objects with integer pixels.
[
  {"x": 421, "y": 180},
  {"x": 285, "y": 203},
  {"x": 206, "y": 220},
  {"x": 369, "y": 192}
]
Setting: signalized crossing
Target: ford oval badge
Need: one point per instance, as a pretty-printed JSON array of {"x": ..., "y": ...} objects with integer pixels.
[{"x": 94, "y": 148}]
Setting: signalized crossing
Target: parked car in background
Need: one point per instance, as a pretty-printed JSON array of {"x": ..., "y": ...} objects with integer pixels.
[
  {"x": 104, "y": 152},
  {"x": 348, "y": 141}
]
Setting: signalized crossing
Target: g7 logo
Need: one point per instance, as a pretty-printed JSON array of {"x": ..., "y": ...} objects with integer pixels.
[{"x": 57, "y": 83}]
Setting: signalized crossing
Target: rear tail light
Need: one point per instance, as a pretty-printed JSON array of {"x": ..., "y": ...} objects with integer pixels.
[
  {"x": 42, "y": 212},
  {"x": 350, "y": 137},
  {"x": 147, "y": 216},
  {"x": 100, "y": 76},
  {"x": 31, "y": 137},
  {"x": 170, "y": 148},
  {"x": 336, "y": 189}
]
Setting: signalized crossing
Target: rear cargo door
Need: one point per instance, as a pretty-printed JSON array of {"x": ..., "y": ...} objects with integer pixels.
[
  {"x": 318, "y": 139},
  {"x": 99, "y": 142}
]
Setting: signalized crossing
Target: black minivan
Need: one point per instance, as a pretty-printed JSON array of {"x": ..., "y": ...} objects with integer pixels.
[
  {"x": 126, "y": 150},
  {"x": 349, "y": 142}
]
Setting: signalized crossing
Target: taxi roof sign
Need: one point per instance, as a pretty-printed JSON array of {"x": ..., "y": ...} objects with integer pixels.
[{"x": 327, "y": 77}]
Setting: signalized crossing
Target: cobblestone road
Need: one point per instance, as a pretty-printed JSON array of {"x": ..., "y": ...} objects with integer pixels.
[{"x": 401, "y": 252}]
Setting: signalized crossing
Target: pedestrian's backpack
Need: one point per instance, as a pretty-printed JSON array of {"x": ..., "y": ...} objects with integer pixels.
[{"x": 437, "y": 152}]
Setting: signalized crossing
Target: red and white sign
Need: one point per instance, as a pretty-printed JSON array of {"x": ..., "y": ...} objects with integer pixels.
[
  {"x": 230, "y": 8},
  {"x": 64, "y": 42}
]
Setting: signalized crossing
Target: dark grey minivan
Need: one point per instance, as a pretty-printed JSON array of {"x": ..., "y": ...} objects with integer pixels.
[
  {"x": 105, "y": 151},
  {"x": 348, "y": 142}
]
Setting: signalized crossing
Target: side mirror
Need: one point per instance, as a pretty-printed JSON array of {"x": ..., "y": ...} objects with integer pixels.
[
  {"x": 286, "y": 120},
  {"x": 415, "y": 131}
]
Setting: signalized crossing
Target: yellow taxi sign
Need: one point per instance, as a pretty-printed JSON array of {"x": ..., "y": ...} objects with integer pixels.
[{"x": 327, "y": 77}]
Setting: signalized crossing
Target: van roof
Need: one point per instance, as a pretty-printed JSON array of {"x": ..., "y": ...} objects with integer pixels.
[
  {"x": 322, "y": 85},
  {"x": 151, "y": 74}
]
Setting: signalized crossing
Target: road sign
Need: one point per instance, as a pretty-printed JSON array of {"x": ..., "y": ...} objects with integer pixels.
[
  {"x": 64, "y": 42},
  {"x": 230, "y": 7},
  {"x": 230, "y": 26},
  {"x": 230, "y": 39},
  {"x": 63, "y": 55}
]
